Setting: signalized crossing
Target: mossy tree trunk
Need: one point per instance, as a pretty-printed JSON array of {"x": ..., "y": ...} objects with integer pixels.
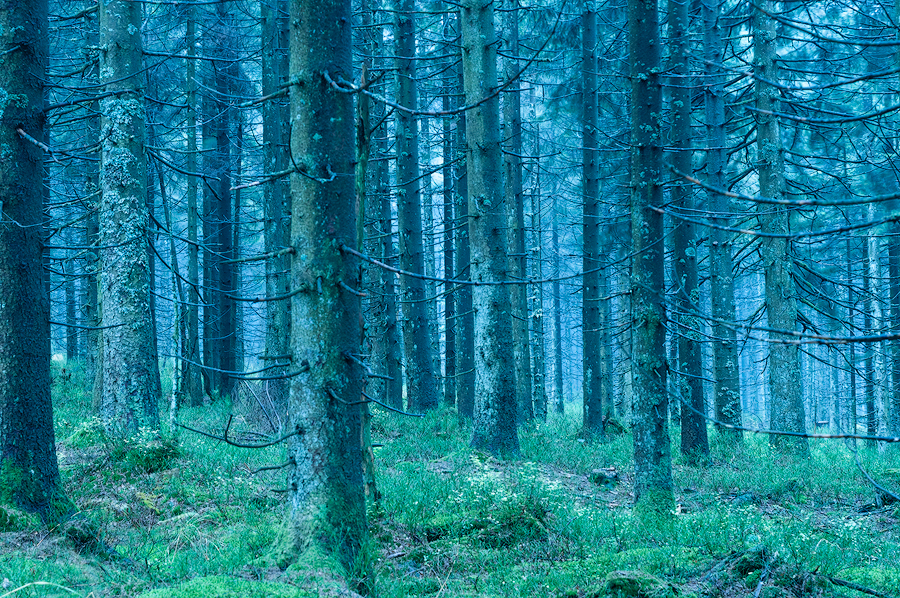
[
  {"x": 29, "y": 475},
  {"x": 787, "y": 409},
  {"x": 418, "y": 328},
  {"x": 327, "y": 504},
  {"x": 515, "y": 198},
  {"x": 495, "y": 394},
  {"x": 127, "y": 401},
  {"x": 650, "y": 408}
]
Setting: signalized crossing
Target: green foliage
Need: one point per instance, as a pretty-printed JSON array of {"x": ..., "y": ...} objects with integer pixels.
[
  {"x": 188, "y": 519},
  {"x": 219, "y": 586}
]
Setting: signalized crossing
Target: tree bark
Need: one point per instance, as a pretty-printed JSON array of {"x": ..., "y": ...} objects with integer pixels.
[
  {"x": 327, "y": 503},
  {"x": 652, "y": 461},
  {"x": 29, "y": 474},
  {"x": 592, "y": 328},
  {"x": 276, "y": 194},
  {"x": 127, "y": 402},
  {"x": 694, "y": 442},
  {"x": 726, "y": 393},
  {"x": 539, "y": 387},
  {"x": 788, "y": 413},
  {"x": 418, "y": 328},
  {"x": 512, "y": 163},
  {"x": 495, "y": 395}
]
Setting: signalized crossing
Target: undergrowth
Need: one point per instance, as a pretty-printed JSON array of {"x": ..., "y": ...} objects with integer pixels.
[{"x": 182, "y": 515}]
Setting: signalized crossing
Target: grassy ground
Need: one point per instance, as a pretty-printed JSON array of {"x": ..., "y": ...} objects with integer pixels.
[{"x": 188, "y": 518}]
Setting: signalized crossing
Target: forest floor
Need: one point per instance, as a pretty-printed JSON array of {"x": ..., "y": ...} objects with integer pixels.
[{"x": 190, "y": 518}]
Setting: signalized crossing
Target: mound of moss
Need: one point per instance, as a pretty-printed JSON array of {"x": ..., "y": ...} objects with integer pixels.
[{"x": 221, "y": 586}]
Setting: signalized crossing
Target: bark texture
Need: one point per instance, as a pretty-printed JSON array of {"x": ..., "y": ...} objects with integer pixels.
[
  {"x": 787, "y": 410},
  {"x": 29, "y": 475},
  {"x": 418, "y": 328},
  {"x": 128, "y": 401},
  {"x": 495, "y": 398},
  {"x": 652, "y": 461},
  {"x": 326, "y": 495}
]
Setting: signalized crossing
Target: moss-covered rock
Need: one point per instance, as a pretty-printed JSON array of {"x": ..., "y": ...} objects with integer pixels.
[
  {"x": 637, "y": 584},
  {"x": 220, "y": 586}
]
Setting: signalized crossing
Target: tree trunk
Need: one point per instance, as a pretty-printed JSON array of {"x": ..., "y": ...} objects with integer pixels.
[
  {"x": 127, "y": 402},
  {"x": 29, "y": 475},
  {"x": 512, "y": 162},
  {"x": 694, "y": 443},
  {"x": 652, "y": 462},
  {"x": 726, "y": 391},
  {"x": 448, "y": 172},
  {"x": 193, "y": 382},
  {"x": 788, "y": 412},
  {"x": 465, "y": 340},
  {"x": 495, "y": 398},
  {"x": 327, "y": 503},
  {"x": 539, "y": 387},
  {"x": 558, "y": 400},
  {"x": 590, "y": 166},
  {"x": 418, "y": 334}
]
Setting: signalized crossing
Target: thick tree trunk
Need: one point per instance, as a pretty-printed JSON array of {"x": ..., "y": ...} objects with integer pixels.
[
  {"x": 590, "y": 167},
  {"x": 29, "y": 475},
  {"x": 652, "y": 461},
  {"x": 327, "y": 504},
  {"x": 127, "y": 402},
  {"x": 495, "y": 395},
  {"x": 785, "y": 381},
  {"x": 512, "y": 163},
  {"x": 418, "y": 328},
  {"x": 726, "y": 393},
  {"x": 694, "y": 443}
]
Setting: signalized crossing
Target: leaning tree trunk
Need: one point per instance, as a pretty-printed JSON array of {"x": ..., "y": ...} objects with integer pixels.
[
  {"x": 327, "y": 503},
  {"x": 495, "y": 397},
  {"x": 127, "y": 402},
  {"x": 788, "y": 412},
  {"x": 652, "y": 461},
  {"x": 512, "y": 161},
  {"x": 590, "y": 167},
  {"x": 29, "y": 475},
  {"x": 421, "y": 383}
]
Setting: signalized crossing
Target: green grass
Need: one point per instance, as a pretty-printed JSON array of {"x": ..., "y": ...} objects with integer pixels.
[{"x": 183, "y": 516}]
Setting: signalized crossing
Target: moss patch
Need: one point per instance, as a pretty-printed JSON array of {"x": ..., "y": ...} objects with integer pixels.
[{"x": 220, "y": 586}]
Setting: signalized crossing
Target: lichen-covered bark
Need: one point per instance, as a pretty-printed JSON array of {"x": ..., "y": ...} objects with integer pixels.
[
  {"x": 127, "y": 402},
  {"x": 559, "y": 405},
  {"x": 450, "y": 319},
  {"x": 726, "y": 394},
  {"x": 29, "y": 476},
  {"x": 327, "y": 505},
  {"x": 418, "y": 333},
  {"x": 512, "y": 164},
  {"x": 694, "y": 443},
  {"x": 652, "y": 461},
  {"x": 590, "y": 167},
  {"x": 495, "y": 397},
  {"x": 276, "y": 195},
  {"x": 787, "y": 410}
]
